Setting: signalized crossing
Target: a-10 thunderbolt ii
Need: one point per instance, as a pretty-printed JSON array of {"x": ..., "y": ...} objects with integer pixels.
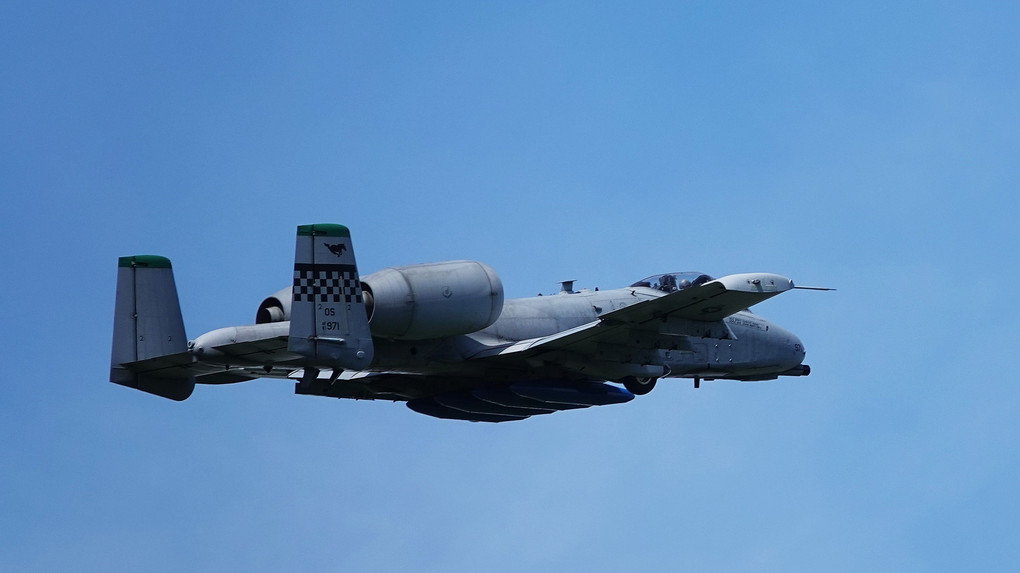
[{"x": 442, "y": 338}]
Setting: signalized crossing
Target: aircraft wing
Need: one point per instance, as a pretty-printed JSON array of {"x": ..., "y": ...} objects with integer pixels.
[
  {"x": 706, "y": 303},
  {"x": 709, "y": 302}
]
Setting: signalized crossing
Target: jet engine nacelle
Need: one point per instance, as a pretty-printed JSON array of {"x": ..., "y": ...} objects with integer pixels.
[
  {"x": 432, "y": 300},
  {"x": 275, "y": 308},
  {"x": 417, "y": 302}
]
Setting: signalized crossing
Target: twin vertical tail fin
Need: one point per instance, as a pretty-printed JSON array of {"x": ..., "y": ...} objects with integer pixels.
[
  {"x": 329, "y": 323},
  {"x": 328, "y": 327},
  {"x": 149, "y": 344}
]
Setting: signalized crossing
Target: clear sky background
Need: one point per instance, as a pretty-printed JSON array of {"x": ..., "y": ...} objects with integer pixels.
[{"x": 866, "y": 146}]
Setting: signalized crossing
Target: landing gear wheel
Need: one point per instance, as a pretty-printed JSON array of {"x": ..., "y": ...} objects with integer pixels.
[{"x": 639, "y": 386}]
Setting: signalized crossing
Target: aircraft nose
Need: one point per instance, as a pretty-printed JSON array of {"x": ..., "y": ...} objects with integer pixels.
[
  {"x": 798, "y": 347},
  {"x": 788, "y": 346},
  {"x": 791, "y": 343}
]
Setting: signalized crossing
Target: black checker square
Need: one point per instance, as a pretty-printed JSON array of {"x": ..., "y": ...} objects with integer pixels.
[{"x": 327, "y": 283}]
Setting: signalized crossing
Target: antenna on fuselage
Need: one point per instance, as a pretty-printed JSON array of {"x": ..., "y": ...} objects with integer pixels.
[{"x": 567, "y": 287}]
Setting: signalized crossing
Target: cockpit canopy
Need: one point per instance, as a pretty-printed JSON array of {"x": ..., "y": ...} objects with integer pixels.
[{"x": 670, "y": 282}]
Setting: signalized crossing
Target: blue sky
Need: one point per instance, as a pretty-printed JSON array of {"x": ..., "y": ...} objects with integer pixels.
[{"x": 866, "y": 147}]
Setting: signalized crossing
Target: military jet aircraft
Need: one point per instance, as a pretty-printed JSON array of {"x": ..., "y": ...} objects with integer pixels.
[{"x": 441, "y": 337}]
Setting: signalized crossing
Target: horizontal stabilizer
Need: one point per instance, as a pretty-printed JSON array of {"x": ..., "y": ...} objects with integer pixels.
[{"x": 178, "y": 389}]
